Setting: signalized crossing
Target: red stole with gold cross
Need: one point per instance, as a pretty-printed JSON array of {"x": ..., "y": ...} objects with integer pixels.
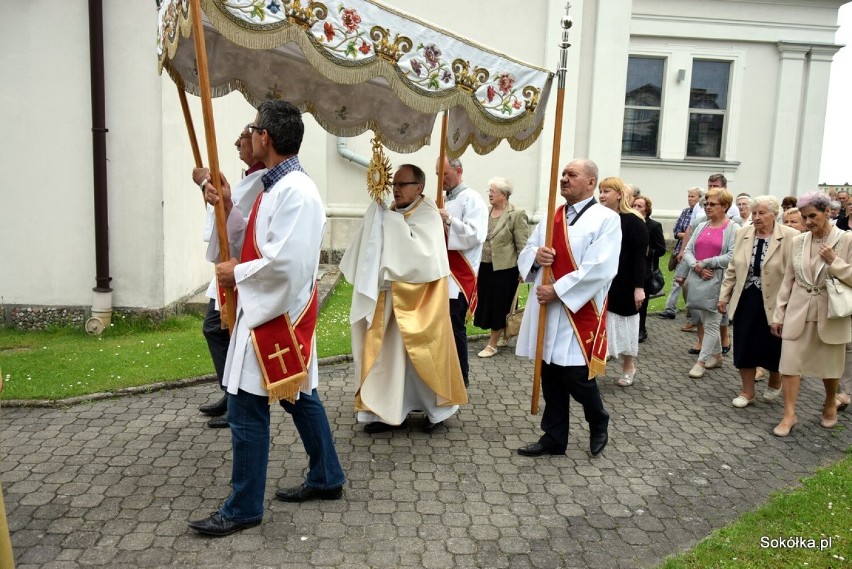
[
  {"x": 283, "y": 349},
  {"x": 589, "y": 323}
]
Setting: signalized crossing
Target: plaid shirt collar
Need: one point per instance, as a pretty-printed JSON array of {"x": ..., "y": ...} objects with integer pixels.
[{"x": 272, "y": 177}]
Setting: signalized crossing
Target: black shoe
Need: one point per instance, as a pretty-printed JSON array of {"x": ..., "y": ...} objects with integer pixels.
[
  {"x": 304, "y": 493},
  {"x": 694, "y": 350},
  {"x": 643, "y": 336},
  {"x": 670, "y": 314},
  {"x": 537, "y": 449},
  {"x": 214, "y": 409},
  {"x": 217, "y": 526},
  {"x": 429, "y": 427},
  {"x": 379, "y": 427},
  {"x": 220, "y": 422},
  {"x": 598, "y": 442},
  {"x": 726, "y": 349}
]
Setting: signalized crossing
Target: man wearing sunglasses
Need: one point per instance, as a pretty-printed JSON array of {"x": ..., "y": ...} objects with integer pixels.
[{"x": 243, "y": 195}]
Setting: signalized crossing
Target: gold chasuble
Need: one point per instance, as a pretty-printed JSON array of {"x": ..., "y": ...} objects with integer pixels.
[{"x": 423, "y": 320}]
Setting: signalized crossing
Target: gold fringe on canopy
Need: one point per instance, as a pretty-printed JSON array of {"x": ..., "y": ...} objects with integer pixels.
[{"x": 513, "y": 113}]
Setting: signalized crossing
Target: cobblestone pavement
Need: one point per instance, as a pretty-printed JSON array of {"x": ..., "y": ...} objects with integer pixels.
[{"x": 113, "y": 483}]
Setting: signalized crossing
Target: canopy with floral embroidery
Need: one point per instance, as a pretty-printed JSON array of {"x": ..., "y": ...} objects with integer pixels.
[{"x": 357, "y": 65}]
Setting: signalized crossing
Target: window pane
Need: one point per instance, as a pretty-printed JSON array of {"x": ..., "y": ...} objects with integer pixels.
[
  {"x": 644, "y": 82},
  {"x": 705, "y": 135},
  {"x": 641, "y": 129},
  {"x": 709, "y": 84}
]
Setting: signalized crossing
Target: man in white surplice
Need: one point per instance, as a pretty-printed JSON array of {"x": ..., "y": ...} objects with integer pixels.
[
  {"x": 590, "y": 236},
  {"x": 243, "y": 195},
  {"x": 466, "y": 217},
  {"x": 275, "y": 258},
  {"x": 402, "y": 340}
]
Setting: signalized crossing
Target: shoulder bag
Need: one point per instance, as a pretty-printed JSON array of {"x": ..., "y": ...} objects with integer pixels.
[{"x": 839, "y": 295}]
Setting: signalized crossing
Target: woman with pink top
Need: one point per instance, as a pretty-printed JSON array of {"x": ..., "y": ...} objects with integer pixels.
[{"x": 707, "y": 255}]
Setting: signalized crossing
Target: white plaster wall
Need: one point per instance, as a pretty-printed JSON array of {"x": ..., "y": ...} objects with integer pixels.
[
  {"x": 184, "y": 210},
  {"x": 156, "y": 215},
  {"x": 46, "y": 235},
  {"x": 134, "y": 120}
]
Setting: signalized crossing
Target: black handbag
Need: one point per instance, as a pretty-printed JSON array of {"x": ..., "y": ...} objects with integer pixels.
[{"x": 654, "y": 282}]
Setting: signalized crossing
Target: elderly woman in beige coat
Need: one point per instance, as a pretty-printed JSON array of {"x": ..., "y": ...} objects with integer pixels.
[
  {"x": 752, "y": 281},
  {"x": 812, "y": 344},
  {"x": 508, "y": 230}
]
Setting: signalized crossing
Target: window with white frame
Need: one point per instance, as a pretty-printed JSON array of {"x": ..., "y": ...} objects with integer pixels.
[
  {"x": 642, "y": 105},
  {"x": 708, "y": 106}
]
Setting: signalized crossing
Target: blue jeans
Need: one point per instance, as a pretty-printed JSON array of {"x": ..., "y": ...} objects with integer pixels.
[{"x": 248, "y": 416}]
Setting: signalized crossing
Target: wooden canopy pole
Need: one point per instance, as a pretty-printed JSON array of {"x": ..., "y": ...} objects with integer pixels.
[
  {"x": 546, "y": 276},
  {"x": 442, "y": 157},
  {"x": 190, "y": 128},
  {"x": 228, "y": 310}
]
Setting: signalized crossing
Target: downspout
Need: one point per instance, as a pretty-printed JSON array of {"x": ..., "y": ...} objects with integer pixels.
[
  {"x": 102, "y": 301},
  {"x": 347, "y": 154}
]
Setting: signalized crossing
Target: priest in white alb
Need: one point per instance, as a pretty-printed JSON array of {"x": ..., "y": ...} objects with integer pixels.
[{"x": 402, "y": 338}]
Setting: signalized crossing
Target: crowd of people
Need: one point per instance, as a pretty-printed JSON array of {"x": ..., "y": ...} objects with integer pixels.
[{"x": 421, "y": 270}]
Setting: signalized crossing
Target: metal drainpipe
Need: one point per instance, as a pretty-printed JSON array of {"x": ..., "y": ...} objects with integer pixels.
[
  {"x": 344, "y": 152},
  {"x": 102, "y": 301}
]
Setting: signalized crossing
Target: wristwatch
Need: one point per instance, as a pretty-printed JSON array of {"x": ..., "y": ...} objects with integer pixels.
[{"x": 448, "y": 221}]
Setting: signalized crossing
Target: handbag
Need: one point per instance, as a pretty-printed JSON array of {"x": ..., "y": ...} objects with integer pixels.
[
  {"x": 839, "y": 298},
  {"x": 704, "y": 295},
  {"x": 672, "y": 262},
  {"x": 839, "y": 293},
  {"x": 654, "y": 283},
  {"x": 514, "y": 318}
]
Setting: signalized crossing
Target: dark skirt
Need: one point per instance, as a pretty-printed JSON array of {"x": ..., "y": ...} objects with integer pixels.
[
  {"x": 495, "y": 289},
  {"x": 754, "y": 344}
]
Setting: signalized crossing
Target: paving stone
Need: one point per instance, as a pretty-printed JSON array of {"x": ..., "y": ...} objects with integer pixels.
[{"x": 113, "y": 483}]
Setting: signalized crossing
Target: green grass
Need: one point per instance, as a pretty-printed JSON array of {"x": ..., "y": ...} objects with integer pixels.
[
  {"x": 819, "y": 510},
  {"x": 66, "y": 362}
]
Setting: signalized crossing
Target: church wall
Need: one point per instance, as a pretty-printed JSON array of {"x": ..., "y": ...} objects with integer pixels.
[{"x": 156, "y": 214}]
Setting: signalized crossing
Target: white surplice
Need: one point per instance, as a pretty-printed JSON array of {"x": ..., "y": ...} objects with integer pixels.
[
  {"x": 468, "y": 228},
  {"x": 595, "y": 245},
  {"x": 290, "y": 224}
]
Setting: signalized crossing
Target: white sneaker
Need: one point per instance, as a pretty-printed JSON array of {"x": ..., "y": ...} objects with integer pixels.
[
  {"x": 771, "y": 394},
  {"x": 696, "y": 372}
]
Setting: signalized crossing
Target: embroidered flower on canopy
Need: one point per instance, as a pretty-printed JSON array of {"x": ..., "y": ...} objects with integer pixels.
[
  {"x": 517, "y": 104},
  {"x": 274, "y": 6},
  {"x": 505, "y": 82},
  {"x": 432, "y": 55},
  {"x": 365, "y": 48},
  {"x": 490, "y": 93},
  {"x": 350, "y": 19},
  {"x": 416, "y": 67},
  {"x": 447, "y": 76},
  {"x": 329, "y": 31}
]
